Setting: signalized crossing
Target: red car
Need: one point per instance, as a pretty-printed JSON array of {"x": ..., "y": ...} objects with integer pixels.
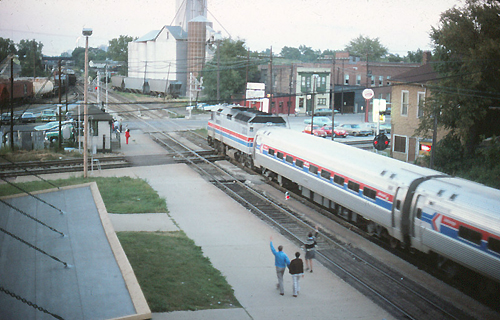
[
  {"x": 338, "y": 132},
  {"x": 317, "y": 131}
]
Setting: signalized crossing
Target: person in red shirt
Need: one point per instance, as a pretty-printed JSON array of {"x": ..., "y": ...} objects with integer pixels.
[{"x": 127, "y": 135}]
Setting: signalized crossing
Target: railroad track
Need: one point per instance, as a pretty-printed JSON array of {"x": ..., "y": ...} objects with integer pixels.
[
  {"x": 403, "y": 298},
  {"x": 8, "y": 170}
]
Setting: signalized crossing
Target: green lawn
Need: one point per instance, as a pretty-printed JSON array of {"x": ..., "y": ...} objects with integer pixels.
[
  {"x": 120, "y": 194},
  {"x": 173, "y": 273}
]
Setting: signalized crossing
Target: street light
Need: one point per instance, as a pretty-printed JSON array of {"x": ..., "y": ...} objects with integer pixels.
[{"x": 87, "y": 33}]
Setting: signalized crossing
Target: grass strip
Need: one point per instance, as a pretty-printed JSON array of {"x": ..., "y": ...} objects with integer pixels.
[
  {"x": 120, "y": 194},
  {"x": 173, "y": 273}
]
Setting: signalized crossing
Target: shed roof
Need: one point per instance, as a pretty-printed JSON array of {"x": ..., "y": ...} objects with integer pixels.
[{"x": 97, "y": 114}]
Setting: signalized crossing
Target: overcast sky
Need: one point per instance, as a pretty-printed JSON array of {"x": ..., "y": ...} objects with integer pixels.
[{"x": 400, "y": 25}]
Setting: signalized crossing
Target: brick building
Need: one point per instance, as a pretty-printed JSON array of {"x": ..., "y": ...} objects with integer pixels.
[
  {"x": 409, "y": 92},
  {"x": 343, "y": 79}
]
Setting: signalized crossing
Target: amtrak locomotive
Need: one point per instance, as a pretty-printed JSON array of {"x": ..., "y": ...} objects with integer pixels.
[{"x": 418, "y": 208}]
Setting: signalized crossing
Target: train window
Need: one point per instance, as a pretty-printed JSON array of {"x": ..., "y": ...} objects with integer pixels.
[
  {"x": 299, "y": 163},
  {"x": 229, "y": 116},
  {"x": 338, "y": 180},
  {"x": 271, "y": 152},
  {"x": 313, "y": 169},
  {"x": 289, "y": 159},
  {"x": 419, "y": 213},
  {"x": 494, "y": 244},
  {"x": 251, "y": 129},
  {"x": 326, "y": 174},
  {"x": 370, "y": 193},
  {"x": 353, "y": 186},
  {"x": 398, "y": 204},
  {"x": 469, "y": 234},
  {"x": 280, "y": 155}
]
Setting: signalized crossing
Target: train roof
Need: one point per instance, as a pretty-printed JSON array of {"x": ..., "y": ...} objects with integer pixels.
[{"x": 249, "y": 115}]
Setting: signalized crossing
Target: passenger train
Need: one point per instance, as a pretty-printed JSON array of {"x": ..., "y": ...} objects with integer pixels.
[{"x": 454, "y": 219}]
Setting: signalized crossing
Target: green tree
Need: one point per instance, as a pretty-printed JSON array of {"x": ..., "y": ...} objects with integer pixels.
[
  {"x": 291, "y": 53},
  {"x": 118, "y": 51},
  {"x": 308, "y": 54},
  {"x": 94, "y": 54},
  {"x": 467, "y": 48},
  {"x": 232, "y": 71},
  {"x": 415, "y": 56},
  {"x": 30, "y": 54},
  {"x": 7, "y": 47},
  {"x": 364, "y": 47}
]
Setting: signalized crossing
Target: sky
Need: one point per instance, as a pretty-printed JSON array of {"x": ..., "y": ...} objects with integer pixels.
[{"x": 400, "y": 25}]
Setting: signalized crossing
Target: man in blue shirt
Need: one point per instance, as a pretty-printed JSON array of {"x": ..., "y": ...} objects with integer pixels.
[{"x": 281, "y": 261}]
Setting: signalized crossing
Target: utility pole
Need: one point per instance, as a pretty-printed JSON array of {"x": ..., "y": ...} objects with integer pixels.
[
  {"x": 12, "y": 104},
  {"x": 218, "y": 72},
  {"x": 59, "y": 140},
  {"x": 271, "y": 80}
]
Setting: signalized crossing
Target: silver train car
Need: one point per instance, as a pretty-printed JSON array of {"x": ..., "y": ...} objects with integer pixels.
[
  {"x": 416, "y": 207},
  {"x": 456, "y": 220}
]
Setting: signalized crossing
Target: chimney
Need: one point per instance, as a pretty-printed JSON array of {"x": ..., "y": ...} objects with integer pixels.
[{"x": 426, "y": 57}]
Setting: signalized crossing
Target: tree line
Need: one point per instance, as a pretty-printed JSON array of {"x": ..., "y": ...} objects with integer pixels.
[{"x": 29, "y": 53}]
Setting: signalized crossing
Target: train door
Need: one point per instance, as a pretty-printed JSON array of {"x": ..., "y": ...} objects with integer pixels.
[
  {"x": 397, "y": 207},
  {"x": 418, "y": 226}
]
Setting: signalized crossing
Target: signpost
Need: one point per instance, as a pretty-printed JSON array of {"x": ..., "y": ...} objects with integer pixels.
[{"x": 368, "y": 95}]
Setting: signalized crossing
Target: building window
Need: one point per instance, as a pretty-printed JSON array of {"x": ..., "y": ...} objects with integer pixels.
[
  {"x": 380, "y": 81},
  {"x": 358, "y": 79},
  {"x": 321, "y": 101},
  {"x": 303, "y": 81},
  {"x": 388, "y": 98},
  {"x": 405, "y": 96},
  {"x": 400, "y": 144},
  {"x": 388, "y": 80},
  {"x": 373, "y": 80},
  {"x": 323, "y": 81},
  {"x": 346, "y": 79},
  {"x": 420, "y": 104},
  {"x": 308, "y": 83}
]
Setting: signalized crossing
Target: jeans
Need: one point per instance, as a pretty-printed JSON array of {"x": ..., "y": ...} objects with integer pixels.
[
  {"x": 279, "y": 273},
  {"x": 296, "y": 284}
]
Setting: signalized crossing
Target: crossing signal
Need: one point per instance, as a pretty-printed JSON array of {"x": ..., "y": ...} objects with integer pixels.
[
  {"x": 380, "y": 142},
  {"x": 287, "y": 195}
]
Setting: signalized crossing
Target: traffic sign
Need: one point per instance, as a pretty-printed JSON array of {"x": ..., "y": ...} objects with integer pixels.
[{"x": 368, "y": 94}]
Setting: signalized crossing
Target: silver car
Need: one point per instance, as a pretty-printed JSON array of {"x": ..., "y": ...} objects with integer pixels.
[{"x": 355, "y": 129}]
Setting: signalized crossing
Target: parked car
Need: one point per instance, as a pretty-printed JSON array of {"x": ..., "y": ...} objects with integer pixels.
[
  {"x": 6, "y": 117},
  {"x": 28, "y": 117},
  {"x": 48, "y": 115},
  {"x": 321, "y": 121},
  {"x": 67, "y": 131},
  {"x": 51, "y": 125},
  {"x": 385, "y": 127},
  {"x": 338, "y": 132},
  {"x": 323, "y": 112},
  {"x": 317, "y": 131},
  {"x": 354, "y": 129}
]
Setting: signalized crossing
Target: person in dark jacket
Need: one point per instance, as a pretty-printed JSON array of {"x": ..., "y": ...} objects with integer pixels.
[
  {"x": 310, "y": 246},
  {"x": 296, "y": 270}
]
